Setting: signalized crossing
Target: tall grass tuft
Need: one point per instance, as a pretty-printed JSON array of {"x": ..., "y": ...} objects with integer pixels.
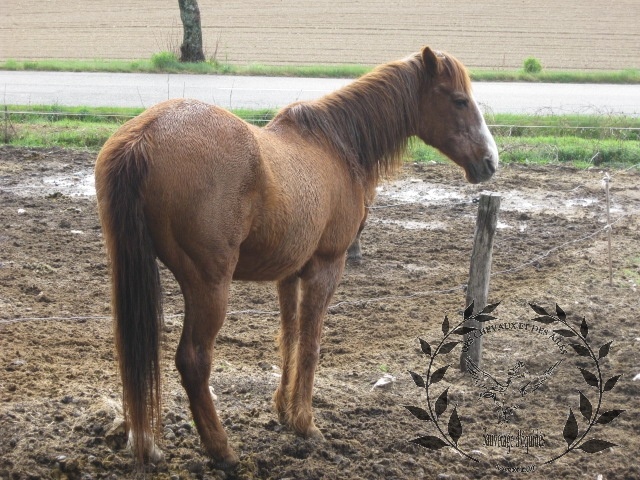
[{"x": 532, "y": 65}]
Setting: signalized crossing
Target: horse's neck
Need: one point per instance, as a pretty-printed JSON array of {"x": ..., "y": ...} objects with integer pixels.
[{"x": 367, "y": 123}]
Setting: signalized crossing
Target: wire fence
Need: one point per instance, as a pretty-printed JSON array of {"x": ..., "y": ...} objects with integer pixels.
[{"x": 602, "y": 131}]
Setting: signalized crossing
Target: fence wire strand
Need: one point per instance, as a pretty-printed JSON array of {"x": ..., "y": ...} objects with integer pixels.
[{"x": 263, "y": 119}]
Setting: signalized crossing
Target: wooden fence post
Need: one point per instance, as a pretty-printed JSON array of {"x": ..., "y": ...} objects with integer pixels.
[{"x": 480, "y": 271}]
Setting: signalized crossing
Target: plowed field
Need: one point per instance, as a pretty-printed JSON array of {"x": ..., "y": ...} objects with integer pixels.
[{"x": 586, "y": 35}]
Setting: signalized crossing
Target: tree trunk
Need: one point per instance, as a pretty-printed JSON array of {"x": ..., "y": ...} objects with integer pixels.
[{"x": 191, "y": 48}]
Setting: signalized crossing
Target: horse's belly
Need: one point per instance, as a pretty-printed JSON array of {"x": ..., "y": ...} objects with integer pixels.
[
  {"x": 266, "y": 269},
  {"x": 281, "y": 254},
  {"x": 262, "y": 259}
]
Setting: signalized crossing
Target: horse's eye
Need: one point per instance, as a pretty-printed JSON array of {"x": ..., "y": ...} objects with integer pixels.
[{"x": 461, "y": 102}]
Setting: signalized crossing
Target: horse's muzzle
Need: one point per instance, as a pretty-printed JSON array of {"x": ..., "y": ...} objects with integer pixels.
[{"x": 484, "y": 170}]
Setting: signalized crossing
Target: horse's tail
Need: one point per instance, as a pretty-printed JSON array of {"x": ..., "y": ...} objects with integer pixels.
[{"x": 121, "y": 173}]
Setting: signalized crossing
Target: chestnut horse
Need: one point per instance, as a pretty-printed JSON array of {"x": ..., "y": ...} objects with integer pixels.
[{"x": 216, "y": 199}]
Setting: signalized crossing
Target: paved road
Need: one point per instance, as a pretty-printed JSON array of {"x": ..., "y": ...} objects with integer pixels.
[{"x": 136, "y": 90}]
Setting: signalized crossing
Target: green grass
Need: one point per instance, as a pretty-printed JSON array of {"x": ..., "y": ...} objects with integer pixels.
[
  {"x": 581, "y": 126},
  {"x": 65, "y": 133},
  {"x": 575, "y": 151},
  {"x": 581, "y": 152},
  {"x": 26, "y": 114},
  {"x": 632, "y": 272},
  {"x": 628, "y": 76},
  {"x": 56, "y": 113},
  {"x": 166, "y": 62},
  {"x": 383, "y": 367},
  {"x": 576, "y": 139},
  {"x": 78, "y": 127}
]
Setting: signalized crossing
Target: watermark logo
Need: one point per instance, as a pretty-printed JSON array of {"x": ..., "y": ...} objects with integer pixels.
[
  {"x": 518, "y": 406},
  {"x": 494, "y": 389}
]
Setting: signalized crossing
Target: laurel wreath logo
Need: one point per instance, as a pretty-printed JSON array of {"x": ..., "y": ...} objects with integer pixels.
[
  {"x": 571, "y": 430},
  {"x": 454, "y": 426},
  {"x": 450, "y": 435}
]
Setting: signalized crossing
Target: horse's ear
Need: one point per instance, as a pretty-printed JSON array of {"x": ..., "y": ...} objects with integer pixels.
[{"x": 431, "y": 61}]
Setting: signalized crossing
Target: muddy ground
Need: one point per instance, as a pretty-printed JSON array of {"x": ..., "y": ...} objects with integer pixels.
[{"x": 60, "y": 393}]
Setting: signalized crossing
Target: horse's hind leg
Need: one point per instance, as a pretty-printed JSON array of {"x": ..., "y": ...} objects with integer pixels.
[
  {"x": 320, "y": 278},
  {"x": 205, "y": 309},
  {"x": 288, "y": 296}
]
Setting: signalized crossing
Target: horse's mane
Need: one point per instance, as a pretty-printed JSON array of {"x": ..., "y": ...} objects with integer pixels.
[{"x": 369, "y": 122}]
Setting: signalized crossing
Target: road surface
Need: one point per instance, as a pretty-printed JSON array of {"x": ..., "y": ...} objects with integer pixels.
[{"x": 144, "y": 90}]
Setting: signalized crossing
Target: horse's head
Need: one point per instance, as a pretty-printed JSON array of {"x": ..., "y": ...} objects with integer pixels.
[{"x": 450, "y": 119}]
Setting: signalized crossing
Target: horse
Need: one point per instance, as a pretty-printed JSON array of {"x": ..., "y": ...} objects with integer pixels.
[{"x": 216, "y": 199}]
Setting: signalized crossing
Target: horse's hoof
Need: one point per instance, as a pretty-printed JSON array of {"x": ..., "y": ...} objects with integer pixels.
[
  {"x": 314, "y": 434},
  {"x": 229, "y": 462},
  {"x": 283, "y": 419},
  {"x": 156, "y": 455},
  {"x": 279, "y": 405},
  {"x": 152, "y": 453},
  {"x": 354, "y": 259}
]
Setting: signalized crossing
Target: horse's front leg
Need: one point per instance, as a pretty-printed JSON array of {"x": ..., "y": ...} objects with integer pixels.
[
  {"x": 354, "y": 253},
  {"x": 320, "y": 278},
  {"x": 288, "y": 297}
]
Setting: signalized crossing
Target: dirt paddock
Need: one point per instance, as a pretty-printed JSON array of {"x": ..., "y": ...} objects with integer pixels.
[{"x": 60, "y": 393}]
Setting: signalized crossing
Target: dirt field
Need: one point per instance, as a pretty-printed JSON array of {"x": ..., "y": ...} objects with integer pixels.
[
  {"x": 60, "y": 393},
  {"x": 563, "y": 34}
]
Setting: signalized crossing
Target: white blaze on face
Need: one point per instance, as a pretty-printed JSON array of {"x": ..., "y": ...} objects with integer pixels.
[{"x": 484, "y": 133}]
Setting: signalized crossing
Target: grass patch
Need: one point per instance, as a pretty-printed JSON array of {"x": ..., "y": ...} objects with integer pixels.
[
  {"x": 632, "y": 272},
  {"x": 581, "y": 152},
  {"x": 581, "y": 126},
  {"x": 532, "y": 65},
  {"x": 57, "y": 113},
  {"x": 79, "y": 127},
  {"x": 62, "y": 133},
  {"x": 576, "y": 139},
  {"x": 578, "y": 152},
  {"x": 167, "y": 62},
  {"x": 34, "y": 114},
  {"x": 628, "y": 76},
  {"x": 561, "y": 121}
]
